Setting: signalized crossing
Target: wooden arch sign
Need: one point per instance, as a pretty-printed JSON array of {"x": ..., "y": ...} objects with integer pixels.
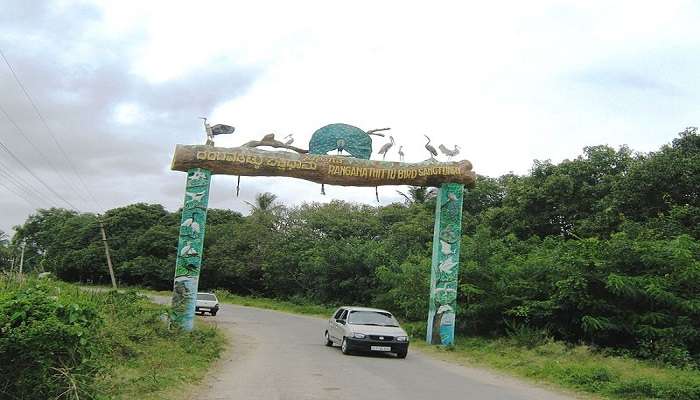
[{"x": 201, "y": 161}]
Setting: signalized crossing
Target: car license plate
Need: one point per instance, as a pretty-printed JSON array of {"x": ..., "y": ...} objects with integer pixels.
[{"x": 380, "y": 348}]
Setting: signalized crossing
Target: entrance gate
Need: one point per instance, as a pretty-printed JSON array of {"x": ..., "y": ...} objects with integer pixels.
[{"x": 314, "y": 164}]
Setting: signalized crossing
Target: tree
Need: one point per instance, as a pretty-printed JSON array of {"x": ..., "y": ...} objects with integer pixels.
[
  {"x": 264, "y": 202},
  {"x": 5, "y": 252},
  {"x": 418, "y": 194}
]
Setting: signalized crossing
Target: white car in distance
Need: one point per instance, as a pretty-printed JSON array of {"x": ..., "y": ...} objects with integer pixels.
[
  {"x": 207, "y": 302},
  {"x": 366, "y": 329}
]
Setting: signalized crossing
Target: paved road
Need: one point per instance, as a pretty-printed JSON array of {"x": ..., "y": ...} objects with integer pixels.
[{"x": 279, "y": 356}]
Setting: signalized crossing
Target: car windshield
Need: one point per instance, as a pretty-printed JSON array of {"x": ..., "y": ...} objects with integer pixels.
[
  {"x": 371, "y": 318},
  {"x": 206, "y": 296}
]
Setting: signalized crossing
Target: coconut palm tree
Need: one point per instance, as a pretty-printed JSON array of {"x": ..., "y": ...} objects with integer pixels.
[
  {"x": 264, "y": 202},
  {"x": 418, "y": 194}
]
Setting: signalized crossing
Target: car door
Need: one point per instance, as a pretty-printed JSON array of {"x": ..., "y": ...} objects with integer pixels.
[
  {"x": 333, "y": 324},
  {"x": 338, "y": 327},
  {"x": 340, "y": 323}
]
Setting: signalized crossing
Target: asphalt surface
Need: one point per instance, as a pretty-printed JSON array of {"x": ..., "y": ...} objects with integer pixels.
[{"x": 280, "y": 356}]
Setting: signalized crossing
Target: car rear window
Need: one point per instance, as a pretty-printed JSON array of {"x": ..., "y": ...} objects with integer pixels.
[
  {"x": 372, "y": 318},
  {"x": 206, "y": 296}
]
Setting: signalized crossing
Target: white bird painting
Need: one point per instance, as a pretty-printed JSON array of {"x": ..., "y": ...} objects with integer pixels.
[
  {"x": 401, "y": 154},
  {"x": 193, "y": 225},
  {"x": 444, "y": 308},
  {"x": 187, "y": 250},
  {"x": 445, "y": 289},
  {"x": 197, "y": 175},
  {"x": 195, "y": 196},
  {"x": 445, "y": 248},
  {"x": 447, "y": 265}
]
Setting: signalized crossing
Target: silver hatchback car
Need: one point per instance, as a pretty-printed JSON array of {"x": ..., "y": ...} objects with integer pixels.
[{"x": 366, "y": 329}]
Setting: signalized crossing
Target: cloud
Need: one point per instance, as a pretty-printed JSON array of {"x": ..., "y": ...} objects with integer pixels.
[
  {"x": 121, "y": 82},
  {"x": 81, "y": 78}
]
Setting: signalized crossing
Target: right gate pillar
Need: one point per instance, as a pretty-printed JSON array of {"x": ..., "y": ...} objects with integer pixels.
[{"x": 445, "y": 264}]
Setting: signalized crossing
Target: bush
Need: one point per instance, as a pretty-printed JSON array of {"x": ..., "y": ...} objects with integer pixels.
[
  {"x": 47, "y": 346},
  {"x": 60, "y": 341}
]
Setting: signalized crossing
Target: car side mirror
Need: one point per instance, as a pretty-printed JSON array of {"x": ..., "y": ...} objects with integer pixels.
[{"x": 341, "y": 321}]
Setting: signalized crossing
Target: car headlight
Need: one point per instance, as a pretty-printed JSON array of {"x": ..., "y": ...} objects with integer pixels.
[
  {"x": 359, "y": 335},
  {"x": 402, "y": 338}
]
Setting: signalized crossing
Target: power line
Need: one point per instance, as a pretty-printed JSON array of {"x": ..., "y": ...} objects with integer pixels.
[
  {"x": 41, "y": 153},
  {"x": 19, "y": 194},
  {"x": 21, "y": 186},
  {"x": 48, "y": 129},
  {"x": 50, "y": 189}
]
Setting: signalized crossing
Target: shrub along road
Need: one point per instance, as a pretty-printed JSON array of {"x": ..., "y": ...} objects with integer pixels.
[{"x": 276, "y": 355}]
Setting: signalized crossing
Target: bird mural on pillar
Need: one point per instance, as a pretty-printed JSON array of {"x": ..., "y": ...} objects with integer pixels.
[
  {"x": 190, "y": 247},
  {"x": 445, "y": 264}
]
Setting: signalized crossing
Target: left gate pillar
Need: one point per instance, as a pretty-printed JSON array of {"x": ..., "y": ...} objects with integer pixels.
[
  {"x": 190, "y": 247},
  {"x": 445, "y": 264}
]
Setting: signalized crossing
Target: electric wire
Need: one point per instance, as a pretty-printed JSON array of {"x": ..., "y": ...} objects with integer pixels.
[
  {"x": 73, "y": 187},
  {"x": 49, "y": 188},
  {"x": 49, "y": 130},
  {"x": 18, "y": 193},
  {"x": 22, "y": 186}
]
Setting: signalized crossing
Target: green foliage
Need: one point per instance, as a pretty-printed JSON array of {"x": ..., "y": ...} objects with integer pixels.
[
  {"x": 5, "y": 252},
  {"x": 58, "y": 341},
  {"x": 47, "y": 344},
  {"x": 577, "y": 367}
]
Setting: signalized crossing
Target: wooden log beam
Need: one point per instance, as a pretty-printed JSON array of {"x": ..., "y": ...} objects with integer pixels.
[{"x": 328, "y": 169}]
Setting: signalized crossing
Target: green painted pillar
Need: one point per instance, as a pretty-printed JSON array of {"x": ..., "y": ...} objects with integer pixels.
[
  {"x": 190, "y": 247},
  {"x": 445, "y": 264}
]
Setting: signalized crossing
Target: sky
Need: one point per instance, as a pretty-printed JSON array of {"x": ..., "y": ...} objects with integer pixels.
[{"x": 105, "y": 89}]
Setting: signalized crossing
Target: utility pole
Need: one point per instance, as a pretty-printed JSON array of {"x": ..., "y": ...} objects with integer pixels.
[
  {"x": 109, "y": 259},
  {"x": 21, "y": 258}
]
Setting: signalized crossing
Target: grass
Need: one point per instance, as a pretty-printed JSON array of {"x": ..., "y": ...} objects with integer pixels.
[
  {"x": 575, "y": 367},
  {"x": 164, "y": 367},
  {"x": 136, "y": 355}
]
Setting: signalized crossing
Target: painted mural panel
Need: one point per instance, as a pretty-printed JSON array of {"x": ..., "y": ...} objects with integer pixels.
[
  {"x": 445, "y": 264},
  {"x": 190, "y": 247}
]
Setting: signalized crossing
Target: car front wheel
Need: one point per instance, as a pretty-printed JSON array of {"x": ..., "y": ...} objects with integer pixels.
[
  {"x": 329, "y": 342},
  {"x": 344, "y": 347},
  {"x": 402, "y": 354}
]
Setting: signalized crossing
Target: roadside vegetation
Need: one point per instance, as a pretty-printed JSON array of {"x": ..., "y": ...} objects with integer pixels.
[
  {"x": 58, "y": 341},
  {"x": 600, "y": 251},
  {"x": 576, "y": 367},
  {"x": 534, "y": 356}
]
